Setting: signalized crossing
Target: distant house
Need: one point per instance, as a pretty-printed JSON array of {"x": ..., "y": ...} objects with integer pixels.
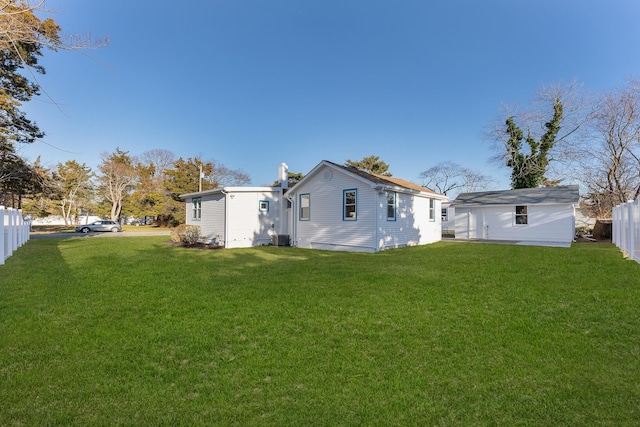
[
  {"x": 333, "y": 207},
  {"x": 533, "y": 214},
  {"x": 336, "y": 207}
]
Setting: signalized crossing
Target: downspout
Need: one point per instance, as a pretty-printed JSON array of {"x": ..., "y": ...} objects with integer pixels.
[
  {"x": 294, "y": 223},
  {"x": 379, "y": 192},
  {"x": 573, "y": 217},
  {"x": 226, "y": 217}
]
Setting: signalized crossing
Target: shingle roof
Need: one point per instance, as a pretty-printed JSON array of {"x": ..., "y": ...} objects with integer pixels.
[
  {"x": 525, "y": 196},
  {"x": 383, "y": 180}
]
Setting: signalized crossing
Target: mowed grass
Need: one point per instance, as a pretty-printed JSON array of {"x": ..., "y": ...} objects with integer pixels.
[{"x": 133, "y": 331}]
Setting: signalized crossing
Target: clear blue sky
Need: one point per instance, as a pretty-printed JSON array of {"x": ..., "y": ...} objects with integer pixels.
[{"x": 253, "y": 83}]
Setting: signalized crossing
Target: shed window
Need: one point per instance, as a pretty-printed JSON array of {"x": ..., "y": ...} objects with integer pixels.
[
  {"x": 521, "y": 215},
  {"x": 197, "y": 208},
  {"x": 391, "y": 206},
  {"x": 305, "y": 201},
  {"x": 432, "y": 209},
  {"x": 263, "y": 205},
  {"x": 350, "y": 198}
]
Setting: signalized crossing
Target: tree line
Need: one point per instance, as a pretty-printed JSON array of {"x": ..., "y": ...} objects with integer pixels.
[{"x": 123, "y": 185}]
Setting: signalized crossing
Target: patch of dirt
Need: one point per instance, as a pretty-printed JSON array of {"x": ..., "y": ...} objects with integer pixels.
[
  {"x": 591, "y": 240},
  {"x": 200, "y": 246}
]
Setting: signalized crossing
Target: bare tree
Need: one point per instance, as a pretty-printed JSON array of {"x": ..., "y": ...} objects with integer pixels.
[
  {"x": 160, "y": 159},
  {"x": 450, "y": 178},
  {"x": 73, "y": 181},
  {"x": 609, "y": 158},
  {"x": 533, "y": 121},
  {"x": 117, "y": 179},
  {"x": 20, "y": 25}
]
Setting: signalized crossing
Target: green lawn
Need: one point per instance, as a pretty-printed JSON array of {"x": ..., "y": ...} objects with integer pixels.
[{"x": 133, "y": 331}]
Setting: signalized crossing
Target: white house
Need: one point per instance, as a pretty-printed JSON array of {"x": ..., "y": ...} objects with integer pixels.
[
  {"x": 335, "y": 207},
  {"x": 239, "y": 217},
  {"x": 532, "y": 214}
]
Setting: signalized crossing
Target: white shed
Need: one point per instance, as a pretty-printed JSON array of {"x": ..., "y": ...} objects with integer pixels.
[
  {"x": 336, "y": 207},
  {"x": 544, "y": 214}
]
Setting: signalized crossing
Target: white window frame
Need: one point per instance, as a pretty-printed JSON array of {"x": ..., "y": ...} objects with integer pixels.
[
  {"x": 392, "y": 205},
  {"x": 432, "y": 209},
  {"x": 197, "y": 208}
]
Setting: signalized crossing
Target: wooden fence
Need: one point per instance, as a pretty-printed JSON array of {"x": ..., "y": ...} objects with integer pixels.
[
  {"x": 15, "y": 231},
  {"x": 626, "y": 229}
]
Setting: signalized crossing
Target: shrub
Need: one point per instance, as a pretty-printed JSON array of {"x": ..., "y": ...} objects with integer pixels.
[{"x": 184, "y": 233}]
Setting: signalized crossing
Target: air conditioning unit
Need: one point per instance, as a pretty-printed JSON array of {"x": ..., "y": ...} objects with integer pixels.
[{"x": 280, "y": 240}]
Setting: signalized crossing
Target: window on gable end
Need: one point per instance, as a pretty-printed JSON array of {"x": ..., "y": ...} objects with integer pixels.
[
  {"x": 305, "y": 204},
  {"x": 350, "y": 202}
]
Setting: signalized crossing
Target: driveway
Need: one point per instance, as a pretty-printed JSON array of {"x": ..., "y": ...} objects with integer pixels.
[{"x": 101, "y": 234}]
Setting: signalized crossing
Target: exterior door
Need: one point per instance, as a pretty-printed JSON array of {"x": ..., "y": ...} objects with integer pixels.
[{"x": 478, "y": 229}]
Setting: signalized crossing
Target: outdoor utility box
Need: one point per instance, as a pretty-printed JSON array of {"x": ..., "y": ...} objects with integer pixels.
[{"x": 280, "y": 240}]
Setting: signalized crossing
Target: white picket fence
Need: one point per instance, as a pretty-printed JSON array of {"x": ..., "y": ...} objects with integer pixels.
[
  {"x": 15, "y": 231},
  {"x": 626, "y": 229}
]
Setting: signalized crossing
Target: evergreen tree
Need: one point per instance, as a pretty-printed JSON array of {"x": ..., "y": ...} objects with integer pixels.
[{"x": 371, "y": 164}]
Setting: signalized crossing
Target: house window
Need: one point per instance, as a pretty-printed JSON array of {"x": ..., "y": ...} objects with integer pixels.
[
  {"x": 197, "y": 208},
  {"x": 304, "y": 207},
  {"x": 444, "y": 214},
  {"x": 391, "y": 206},
  {"x": 432, "y": 209},
  {"x": 263, "y": 206},
  {"x": 521, "y": 215},
  {"x": 349, "y": 198}
]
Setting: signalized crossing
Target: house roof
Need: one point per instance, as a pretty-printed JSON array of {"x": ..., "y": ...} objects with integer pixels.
[
  {"x": 229, "y": 190},
  {"x": 563, "y": 194},
  {"x": 378, "y": 180}
]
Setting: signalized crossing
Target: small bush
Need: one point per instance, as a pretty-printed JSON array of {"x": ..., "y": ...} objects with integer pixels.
[{"x": 189, "y": 234}]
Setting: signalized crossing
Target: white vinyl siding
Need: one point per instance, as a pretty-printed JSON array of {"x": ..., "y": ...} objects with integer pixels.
[
  {"x": 326, "y": 227},
  {"x": 212, "y": 222},
  {"x": 412, "y": 225},
  {"x": 248, "y": 226},
  {"x": 235, "y": 219},
  {"x": 546, "y": 223}
]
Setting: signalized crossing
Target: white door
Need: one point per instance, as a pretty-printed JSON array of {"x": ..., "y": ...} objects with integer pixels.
[{"x": 478, "y": 229}]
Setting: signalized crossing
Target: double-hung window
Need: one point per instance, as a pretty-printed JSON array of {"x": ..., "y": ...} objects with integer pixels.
[
  {"x": 432, "y": 209},
  {"x": 197, "y": 208},
  {"x": 350, "y": 202},
  {"x": 391, "y": 206},
  {"x": 521, "y": 215},
  {"x": 305, "y": 203}
]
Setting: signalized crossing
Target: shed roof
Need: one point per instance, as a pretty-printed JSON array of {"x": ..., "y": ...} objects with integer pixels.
[{"x": 562, "y": 194}]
